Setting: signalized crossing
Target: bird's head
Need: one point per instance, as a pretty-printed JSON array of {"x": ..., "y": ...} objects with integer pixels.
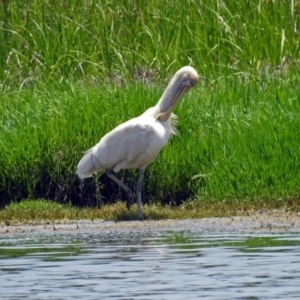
[{"x": 183, "y": 80}]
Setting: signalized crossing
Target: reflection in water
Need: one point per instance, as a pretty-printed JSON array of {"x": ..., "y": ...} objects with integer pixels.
[{"x": 140, "y": 265}]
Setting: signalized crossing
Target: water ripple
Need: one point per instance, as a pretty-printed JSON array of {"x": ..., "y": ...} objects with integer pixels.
[{"x": 162, "y": 265}]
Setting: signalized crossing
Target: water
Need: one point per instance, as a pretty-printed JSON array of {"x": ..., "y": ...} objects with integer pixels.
[{"x": 149, "y": 265}]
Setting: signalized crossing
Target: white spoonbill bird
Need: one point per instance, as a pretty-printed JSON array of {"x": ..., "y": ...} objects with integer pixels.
[{"x": 137, "y": 142}]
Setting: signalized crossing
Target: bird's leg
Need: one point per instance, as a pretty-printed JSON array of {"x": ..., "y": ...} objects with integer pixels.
[
  {"x": 129, "y": 198},
  {"x": 139, "y": 194},
  {"x": 124, "y": 186}
]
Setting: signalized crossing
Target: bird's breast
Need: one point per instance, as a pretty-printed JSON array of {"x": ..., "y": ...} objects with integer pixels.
[{"x": 159, "y": 131}]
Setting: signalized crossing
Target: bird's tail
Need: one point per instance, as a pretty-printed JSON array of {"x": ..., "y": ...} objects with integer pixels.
[{"x": 88, "y": 165}]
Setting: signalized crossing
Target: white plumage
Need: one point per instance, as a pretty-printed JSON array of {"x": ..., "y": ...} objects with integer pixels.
[{"x": 137, "y": 142}]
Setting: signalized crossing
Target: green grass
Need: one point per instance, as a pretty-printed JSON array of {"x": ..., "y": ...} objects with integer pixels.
[
  {"x": 120, "y": 40},
  {"x": 71, "y": 71},
  {"x": 238, "y": 140}
]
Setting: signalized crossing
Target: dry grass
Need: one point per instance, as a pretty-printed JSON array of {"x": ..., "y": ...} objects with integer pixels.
[{"x": 41, "y": 211}]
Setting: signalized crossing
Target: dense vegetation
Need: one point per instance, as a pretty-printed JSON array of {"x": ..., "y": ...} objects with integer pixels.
[{"x": 71, "y": 71}]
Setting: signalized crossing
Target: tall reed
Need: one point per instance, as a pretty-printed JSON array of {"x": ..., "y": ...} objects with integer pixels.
[
  {"x": 71, "y": 71},
  {"x": 123, "y": 40}
]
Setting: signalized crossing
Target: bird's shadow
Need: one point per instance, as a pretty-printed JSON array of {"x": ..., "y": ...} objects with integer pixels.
[{"x": 131, "y": 215}]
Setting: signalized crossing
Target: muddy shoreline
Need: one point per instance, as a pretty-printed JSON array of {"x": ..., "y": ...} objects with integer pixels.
[{"x": 262, "y": 221}]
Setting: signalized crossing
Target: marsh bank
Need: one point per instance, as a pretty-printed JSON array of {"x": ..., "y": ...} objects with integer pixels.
[{"x": 278, "y": 220}]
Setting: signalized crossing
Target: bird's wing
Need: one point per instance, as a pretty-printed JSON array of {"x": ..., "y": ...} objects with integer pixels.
[{"x": 135, "y": 143}]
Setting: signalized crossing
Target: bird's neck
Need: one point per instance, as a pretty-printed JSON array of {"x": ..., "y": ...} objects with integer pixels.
[
  {"x": 165, "y": 102},
  {"x": 152, "y": 111}
]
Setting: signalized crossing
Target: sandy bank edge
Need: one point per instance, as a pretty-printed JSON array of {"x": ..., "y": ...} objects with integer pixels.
[{"x": 262, "y": 221}]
